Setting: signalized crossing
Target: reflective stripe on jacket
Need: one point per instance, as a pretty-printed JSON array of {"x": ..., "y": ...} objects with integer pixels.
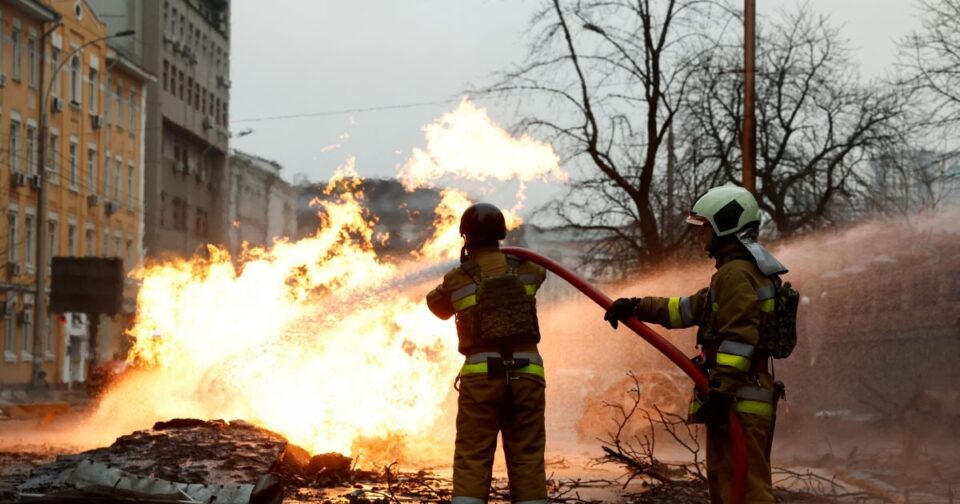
[
  {"x": 730, "y": 313},
  {"x": 457, "y": 294}
]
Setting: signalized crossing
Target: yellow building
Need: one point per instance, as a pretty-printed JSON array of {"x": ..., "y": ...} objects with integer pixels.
[{"x": 94, "y": 172}]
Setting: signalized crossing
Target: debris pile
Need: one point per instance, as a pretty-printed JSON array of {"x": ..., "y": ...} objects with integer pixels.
[
  {"x": 182, "y": 450},
  {"x": 228, "y": 461}
]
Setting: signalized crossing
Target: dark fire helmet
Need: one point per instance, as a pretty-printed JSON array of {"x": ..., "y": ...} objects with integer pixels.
[{"x": 483, "y": 223}]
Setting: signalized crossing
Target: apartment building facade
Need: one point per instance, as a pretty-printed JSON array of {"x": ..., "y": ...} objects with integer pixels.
[
  {"x": 95, "y": 102},
  {"x": 186, "y": 44},
  {"x": 262, "y": 206}
]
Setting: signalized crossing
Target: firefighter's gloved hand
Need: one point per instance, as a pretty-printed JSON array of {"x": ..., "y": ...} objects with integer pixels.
[
  {"x": 715, "y": 409},
  {"x": 620, "y": 310}
]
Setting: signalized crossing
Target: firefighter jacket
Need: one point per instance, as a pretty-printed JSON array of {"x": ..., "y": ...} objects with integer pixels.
[
  {"x": 731, "y": 314},
  {"x": 456, "y": 295}
]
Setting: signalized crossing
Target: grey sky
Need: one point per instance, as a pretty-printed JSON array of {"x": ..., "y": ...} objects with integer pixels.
[{"x": 305, "y": 56}]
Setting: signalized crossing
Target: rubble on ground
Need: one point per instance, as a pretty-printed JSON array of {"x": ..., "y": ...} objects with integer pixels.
[
  {"x": 192, "y": 457},
  {"x": 181, "y": 450}
]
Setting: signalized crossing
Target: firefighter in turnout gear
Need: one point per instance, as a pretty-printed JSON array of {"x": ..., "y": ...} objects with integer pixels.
[
  {"x": 501, "y": 383},
  {"x": 745, "y": 317}
]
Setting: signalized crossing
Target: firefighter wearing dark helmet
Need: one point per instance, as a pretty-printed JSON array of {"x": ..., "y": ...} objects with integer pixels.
[
  {"x": 501, "y": 383},
  {"x": 737, "y": 335}
]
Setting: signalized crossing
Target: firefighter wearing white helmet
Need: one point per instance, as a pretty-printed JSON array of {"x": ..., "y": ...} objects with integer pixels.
[{"x": 745, "y": 317}]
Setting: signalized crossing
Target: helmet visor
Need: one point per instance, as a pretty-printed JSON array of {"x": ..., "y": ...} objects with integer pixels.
[{"x": 696, "y": 220}]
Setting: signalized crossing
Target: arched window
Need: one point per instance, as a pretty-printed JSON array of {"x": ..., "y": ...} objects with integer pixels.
[{"x": 75, "y": 79}]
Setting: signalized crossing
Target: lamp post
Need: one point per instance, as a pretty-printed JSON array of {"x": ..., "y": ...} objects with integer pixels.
[{"x": 40, "y": 301}]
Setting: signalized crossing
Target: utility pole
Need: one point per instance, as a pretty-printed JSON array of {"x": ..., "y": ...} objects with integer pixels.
[{"x": 748, "y": 137}]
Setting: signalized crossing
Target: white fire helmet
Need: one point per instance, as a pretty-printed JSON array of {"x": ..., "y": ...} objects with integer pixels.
[
  {"x": 728, "y": 209},
  {"x": 732, "y": 210}
]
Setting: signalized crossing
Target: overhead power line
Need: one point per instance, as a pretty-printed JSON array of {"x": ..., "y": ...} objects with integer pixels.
[{"x": 346, "y": 111}]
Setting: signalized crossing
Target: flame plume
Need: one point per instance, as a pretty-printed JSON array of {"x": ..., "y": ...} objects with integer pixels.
[{"x": 310, "y": 338}]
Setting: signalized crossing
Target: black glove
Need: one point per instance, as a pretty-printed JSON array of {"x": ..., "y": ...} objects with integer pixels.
[{"x": 620, "y": 310}]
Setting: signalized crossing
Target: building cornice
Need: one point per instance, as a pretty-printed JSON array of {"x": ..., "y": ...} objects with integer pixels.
[
  {"x": 35, "y": 10},
  {"x": 116, "y": 57}
]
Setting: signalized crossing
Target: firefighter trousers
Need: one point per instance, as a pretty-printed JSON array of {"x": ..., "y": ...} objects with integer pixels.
[
  {"x": 514, "y": 408},
  {"x": 758, "y": 435}
]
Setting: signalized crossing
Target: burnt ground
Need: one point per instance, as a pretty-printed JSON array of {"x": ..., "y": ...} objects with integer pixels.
[{"x": 193, "y": 451}]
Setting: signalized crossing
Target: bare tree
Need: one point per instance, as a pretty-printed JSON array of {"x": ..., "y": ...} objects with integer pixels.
[
  {"x": 922, "y": 172},
  {"x": 932, "y": 60},
  {"x": 816, "y": 123},
  {"x": 614, "y": 73}
]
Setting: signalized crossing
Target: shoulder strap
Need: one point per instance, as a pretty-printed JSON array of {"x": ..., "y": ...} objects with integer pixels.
[
  {"x": 472, "y": 269},
  {"x": 513, "y": 263}
]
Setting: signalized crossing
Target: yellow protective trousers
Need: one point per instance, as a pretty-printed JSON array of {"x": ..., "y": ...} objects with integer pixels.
[
  {"x": 513, "y": 407},
  {"x": 758, "y": 435}
]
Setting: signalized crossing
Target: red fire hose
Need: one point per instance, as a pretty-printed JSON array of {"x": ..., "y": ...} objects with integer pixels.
[{"x": 666, "y": 348}]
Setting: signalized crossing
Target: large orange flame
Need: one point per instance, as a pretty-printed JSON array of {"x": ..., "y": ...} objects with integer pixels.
[{"x": 312, "y": 338}]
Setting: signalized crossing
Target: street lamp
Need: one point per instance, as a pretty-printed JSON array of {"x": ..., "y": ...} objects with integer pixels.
[{"x": 40, "y": 301}]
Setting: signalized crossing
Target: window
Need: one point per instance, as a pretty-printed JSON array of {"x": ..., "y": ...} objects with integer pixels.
[
  {"x": 32, "y": 61},
  {"x": 54, "y": 65},
  {"x": 130, "y": 187},
  {"x": 73, "y": 164},
  {"x": 106, "y": 244},
  {"x": 92, "y": 91},
  {"x": 203, "y": 101},
  {"x": 200, "y": 228},
  {"x": 32, "y": 149},
  {"x": 120, "y": 105},
  {"x": 52, "y": 241},
  {"x": 91, "y": 170},
  {"x": 51, "y": 331},
  {"x": 116, "y": 246},
  {"x": 190, "y": 91},
  {"x": 53, "y": 166},
  {"x": 91, "y": 243},
  {"x": 179, "y": 214},
  {"x": 14, "y": 145},
  {"x": 133, "y": 111},
  {"x": 12, "y": 237},
  {"x": 163, "y": 208},
  {"x": 75, "y": 80},
  {"x": 27, "y": 331},
  {"x": 180, "y": 83},
  {"x": 8, "y": 325},
  {"x": 16, "y": 50},
  {"x": 29, "y": 229},
  {"x": 166, "y": 75},
  {"x": 116, "y": 180},
  {"x": 128, "y": 255},
  {"x": 216, "y": 110},
  {"x": 72, "y": 240},
  {"x": 106, "y": 175}
]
